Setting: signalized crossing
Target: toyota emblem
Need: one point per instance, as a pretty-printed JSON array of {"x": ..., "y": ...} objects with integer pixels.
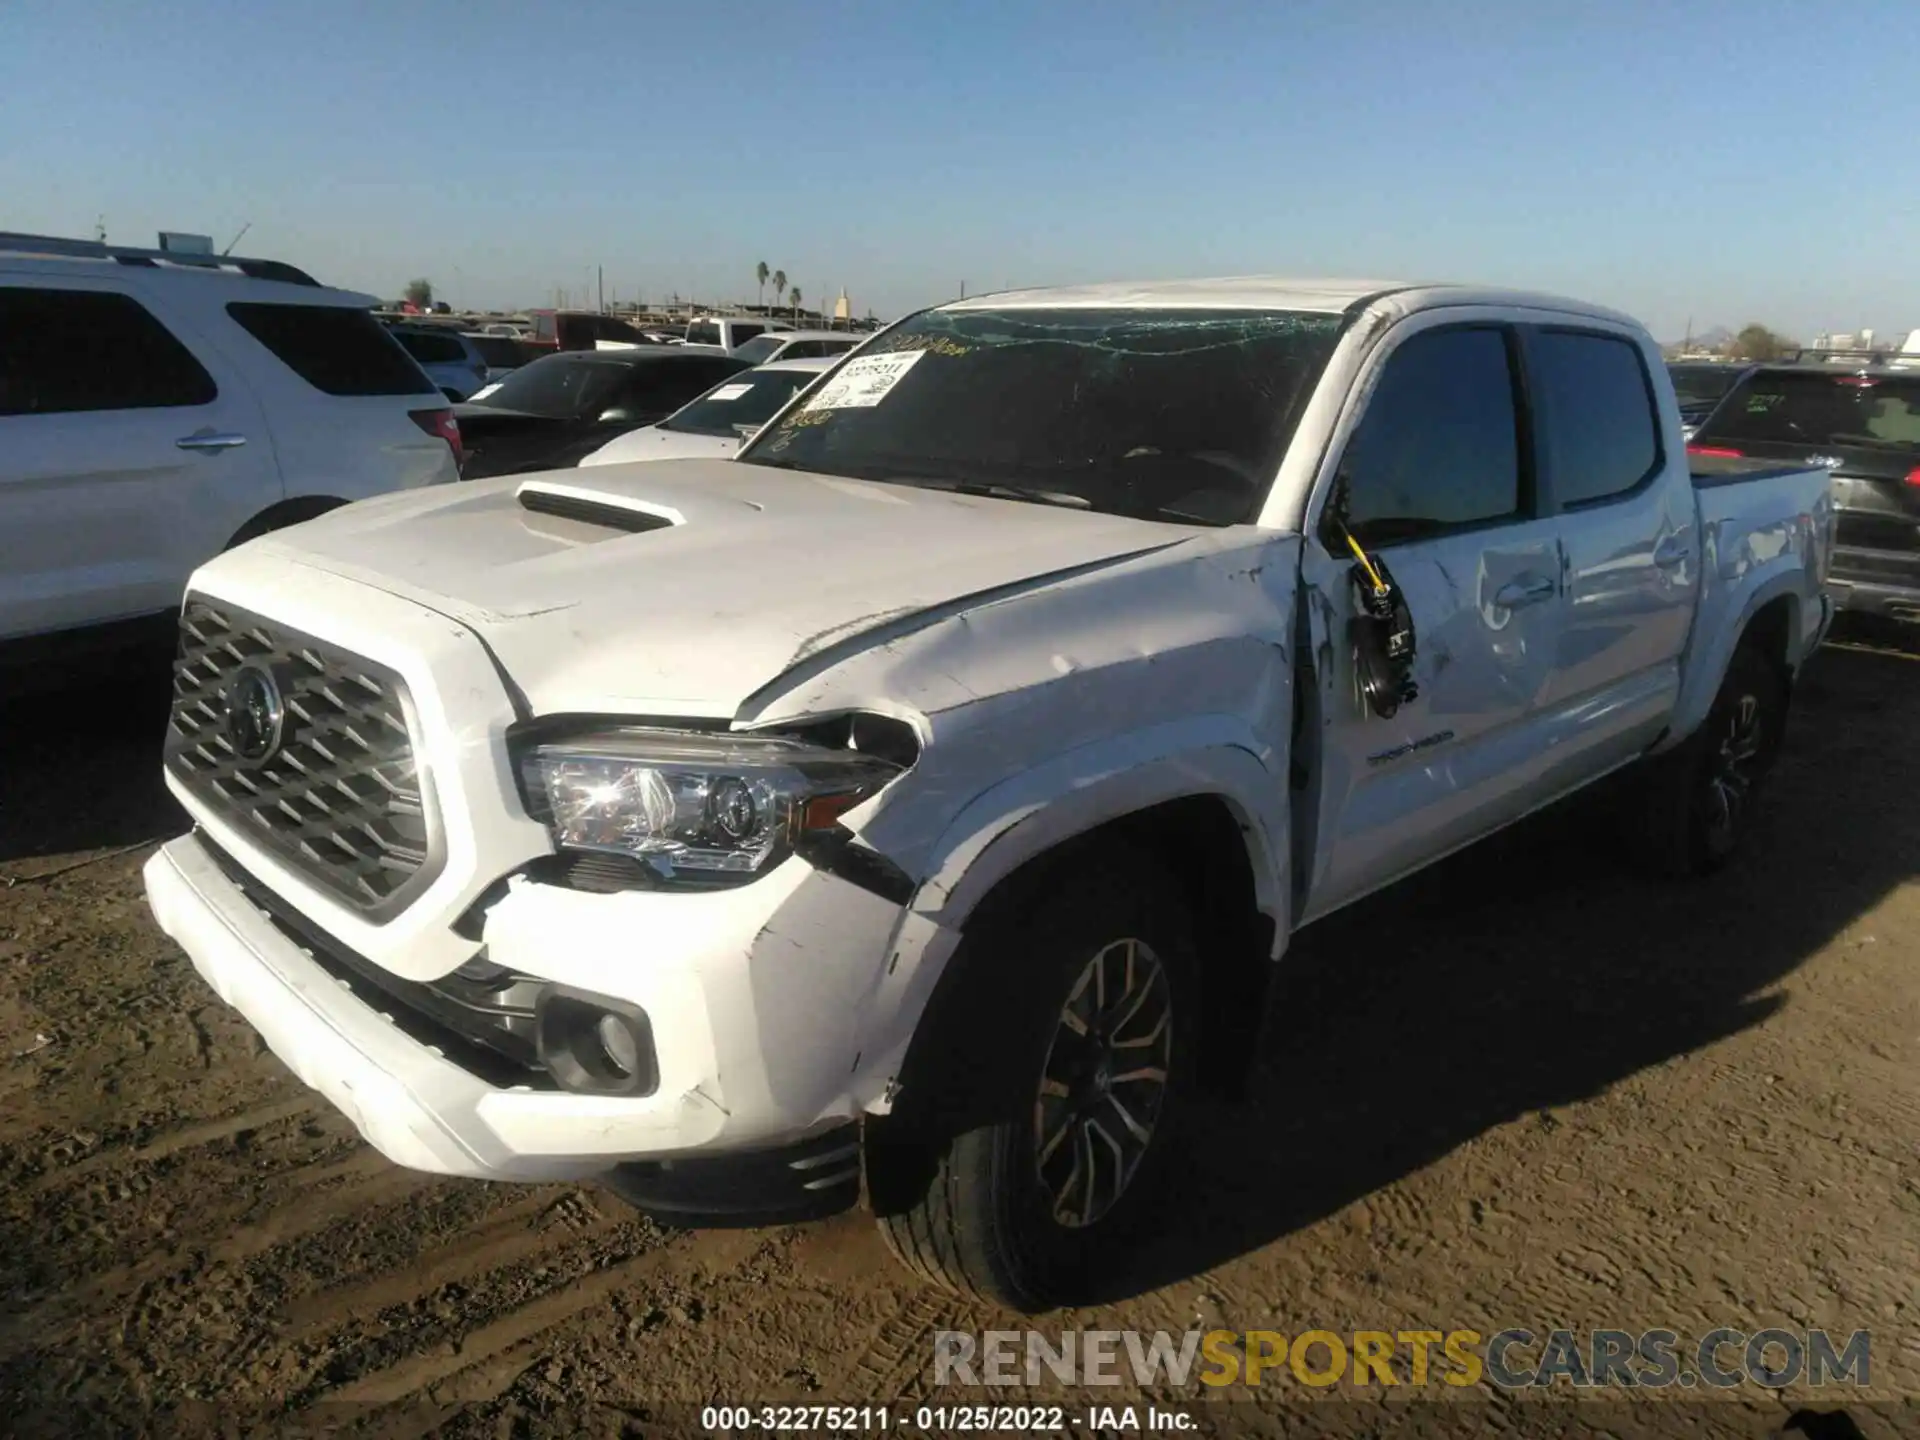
[{"x": 256, "y": 714}]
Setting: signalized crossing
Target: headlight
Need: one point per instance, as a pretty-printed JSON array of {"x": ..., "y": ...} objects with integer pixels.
[{"x": 712, "y": 806}]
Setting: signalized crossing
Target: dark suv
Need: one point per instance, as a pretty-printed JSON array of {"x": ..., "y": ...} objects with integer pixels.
[{"x": 1865, "y": 424}]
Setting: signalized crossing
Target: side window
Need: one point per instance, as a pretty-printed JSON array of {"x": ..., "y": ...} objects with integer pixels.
[
  {"x": 744, "y": 333},
  {"x": 1438, "y": 447},
  {"x": 656, "y": 389},
  {"x": 1600, "y": 433},
  {"x": 72, "y": 350},
  {"x": 804, "y": 350},
  {"x": 337, "y": 350},
  {"x": 674, "y": 385}
]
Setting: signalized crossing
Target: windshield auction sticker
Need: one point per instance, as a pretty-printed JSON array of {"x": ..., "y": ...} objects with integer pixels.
[{"x": 864, "y": 381}]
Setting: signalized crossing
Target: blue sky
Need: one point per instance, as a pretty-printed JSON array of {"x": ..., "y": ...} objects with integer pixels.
[{"x": 1719, "y": 161}]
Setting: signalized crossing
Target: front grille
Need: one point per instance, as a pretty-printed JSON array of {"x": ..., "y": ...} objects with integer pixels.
[{"x": 339, "y": 798}]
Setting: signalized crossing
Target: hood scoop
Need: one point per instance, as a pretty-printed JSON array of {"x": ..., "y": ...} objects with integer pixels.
[{"x": 608, "y": 510}]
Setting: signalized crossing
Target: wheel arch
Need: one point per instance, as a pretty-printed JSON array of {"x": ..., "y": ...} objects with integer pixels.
[
  {"x": 1213, "y": 816},
  {"x": 1772, "y": 618},
  {"x": 282, "y": 513}
]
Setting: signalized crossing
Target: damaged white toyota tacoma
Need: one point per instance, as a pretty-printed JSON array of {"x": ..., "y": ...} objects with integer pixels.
[{"x": 915, "y": 808}]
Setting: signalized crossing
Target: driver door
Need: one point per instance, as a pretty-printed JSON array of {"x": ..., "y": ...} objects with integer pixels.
[{"x": 1439, "y": 478}]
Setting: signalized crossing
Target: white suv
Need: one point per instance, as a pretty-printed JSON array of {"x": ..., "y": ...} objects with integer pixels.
[{"x": 158, "y": 408}]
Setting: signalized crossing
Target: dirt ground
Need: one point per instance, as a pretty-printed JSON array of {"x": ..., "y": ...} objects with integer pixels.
[{"x": 1528, "y": 1088}]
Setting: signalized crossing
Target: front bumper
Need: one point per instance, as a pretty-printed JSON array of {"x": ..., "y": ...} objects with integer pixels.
[{"x": 755, "y": 1028}]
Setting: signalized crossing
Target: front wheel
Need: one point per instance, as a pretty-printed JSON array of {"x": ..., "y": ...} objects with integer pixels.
[
  {"x": 1025, "y": 1184},
  {"x": 1702, "y": 795}
]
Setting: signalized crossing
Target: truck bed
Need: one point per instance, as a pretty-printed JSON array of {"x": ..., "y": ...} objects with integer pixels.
[
  {"x": 1711, "y": 470},
  {"x": 1767, "y": 532}
]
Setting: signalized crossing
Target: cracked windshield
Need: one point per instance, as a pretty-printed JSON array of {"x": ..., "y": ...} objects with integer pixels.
[{"x": 1170, "y": 415}]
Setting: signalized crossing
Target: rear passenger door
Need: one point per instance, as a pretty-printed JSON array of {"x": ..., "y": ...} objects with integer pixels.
[
  {"x": 1441, "y": 482},
  {"x": 1626, "y": 518},
  {"x": 353, "y": 415},
  {"x": 129, "y": 452}
]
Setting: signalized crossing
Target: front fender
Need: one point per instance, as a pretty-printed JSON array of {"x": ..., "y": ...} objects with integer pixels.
[{"x": 1042, "y": 807}]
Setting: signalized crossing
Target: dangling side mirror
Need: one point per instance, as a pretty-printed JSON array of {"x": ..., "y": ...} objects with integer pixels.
[
  {"x": 1383, "y": 638},
  {"x": 1384, "y": 644}
]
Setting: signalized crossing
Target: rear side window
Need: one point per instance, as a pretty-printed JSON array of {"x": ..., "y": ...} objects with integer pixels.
[
  {"x": 1438, "y": 448},
  {"x": 606, "y": 327},
  {"x": 1599, "y": 432},
  {"x": 744, "y": 333},
  {"x": 501, "y": 352},
  {"x": 668, "y": 385},
  {"x": 431, "y": 349},
  {"x": 757, "y": 350},
  {"x": 334, "y": 349},
  {"x": 703, "y": 333},
  {"x": 1807, "y": 408},
  {"x": 70, "y": 350}
]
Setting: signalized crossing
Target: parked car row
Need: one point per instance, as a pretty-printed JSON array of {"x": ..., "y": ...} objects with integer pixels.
[{"x": 549, "y": 414}]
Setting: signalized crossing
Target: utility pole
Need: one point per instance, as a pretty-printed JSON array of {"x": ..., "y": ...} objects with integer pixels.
[
  {"x": 600, "y": 286},
  {"x": 963, "y": 289},
  {"x": 100, "y": 230}
]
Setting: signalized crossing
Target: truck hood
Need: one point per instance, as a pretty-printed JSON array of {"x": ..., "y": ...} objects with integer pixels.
[
  {"x": 650, "y": 442},
  {"x": 682, "y": 587}
]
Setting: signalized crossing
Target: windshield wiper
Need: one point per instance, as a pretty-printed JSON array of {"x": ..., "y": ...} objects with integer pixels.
[{"x": 1030, "y": 494}]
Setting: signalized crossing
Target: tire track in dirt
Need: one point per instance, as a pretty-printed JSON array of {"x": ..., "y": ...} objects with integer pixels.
[
  {"x": 420, "y": 1372},
  {"x": 894, "y": 1363},
  {"x": 219, "y": 1327},
  {"x": 371, "y": 1180},
  {"x": 507, "y": 1237},
  {"x": 173, "y": 1142}
]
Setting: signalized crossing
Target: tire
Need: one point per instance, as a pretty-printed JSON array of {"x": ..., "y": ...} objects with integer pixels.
[
  {"x": 1702, "y": 795},
  {"x": 973, "y": 1177}
]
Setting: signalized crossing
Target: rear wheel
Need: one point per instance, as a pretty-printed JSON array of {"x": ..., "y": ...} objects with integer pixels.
[
  {"x": 1025, "y": 1185},
  {"x": 1702, "y": 795}
]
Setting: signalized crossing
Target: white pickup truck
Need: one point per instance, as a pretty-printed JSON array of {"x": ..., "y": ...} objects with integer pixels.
[{"x": 919, "y": 804}]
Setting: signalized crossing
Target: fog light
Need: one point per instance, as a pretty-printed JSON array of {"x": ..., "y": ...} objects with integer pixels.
[
  {"x": 594, "y": 1044},
  {"x": 622, "y": 1051}
]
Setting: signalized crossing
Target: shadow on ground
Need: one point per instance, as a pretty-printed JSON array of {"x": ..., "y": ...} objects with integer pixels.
[
  {"x": 1538, "y": 968},
  {"x": 80, "y": 768}
]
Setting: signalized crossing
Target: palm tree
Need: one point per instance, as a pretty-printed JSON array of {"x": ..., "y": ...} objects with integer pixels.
[
  {"x": 760, "y": 273},
  {"x": 793, "y": 299},
  {"x": 779, "y": 284}
]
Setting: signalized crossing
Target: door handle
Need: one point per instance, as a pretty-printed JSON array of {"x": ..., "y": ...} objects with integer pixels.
[
  {"x": 209, "y": 441},
  {"x": 1528, "y": 590},
  {"x": 1672, "y": 551}
]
